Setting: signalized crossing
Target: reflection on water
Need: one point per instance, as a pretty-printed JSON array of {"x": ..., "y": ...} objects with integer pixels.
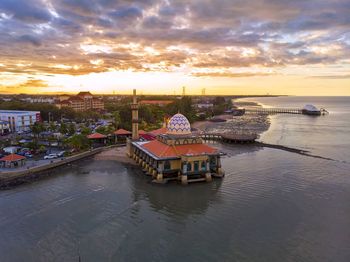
[{"x": 271, "y": 206}]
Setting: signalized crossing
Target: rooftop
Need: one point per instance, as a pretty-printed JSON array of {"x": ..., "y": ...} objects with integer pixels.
[
  {"x": 12, "y": 158},
  {"x": 122, "y": 131},
  {"x": 19, "y": 112},
  {"x": 161, "y": 150},
  {"x": 96, "y": 136}
]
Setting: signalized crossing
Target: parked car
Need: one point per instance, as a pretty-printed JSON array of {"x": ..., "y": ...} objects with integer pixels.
[
  {"x": 50, "y": 156},
  {"x": 61, "y": 154},
  {"x": 28, "y": 155}
]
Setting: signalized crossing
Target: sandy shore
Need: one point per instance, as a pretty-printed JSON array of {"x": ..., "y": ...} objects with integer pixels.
[
  {"x": 117, "y": 154},
  {"x": 248, "y": 123}
]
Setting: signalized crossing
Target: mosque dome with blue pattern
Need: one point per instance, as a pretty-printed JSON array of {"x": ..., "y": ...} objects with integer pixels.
[{"x": 178, "y": 125}]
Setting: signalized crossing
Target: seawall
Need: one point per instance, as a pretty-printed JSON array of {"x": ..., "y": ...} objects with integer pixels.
[{"x": 11, "y": 178}]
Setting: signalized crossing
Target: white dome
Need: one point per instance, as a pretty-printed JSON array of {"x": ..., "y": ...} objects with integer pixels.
[
  {"x": 311, "y": 108},
  {"x": 179, "y": 125}
]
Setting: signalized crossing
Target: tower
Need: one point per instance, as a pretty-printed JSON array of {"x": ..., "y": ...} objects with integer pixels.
[
  {"x": 183, "y": 91},
  {"x": 135, "y": 117}
]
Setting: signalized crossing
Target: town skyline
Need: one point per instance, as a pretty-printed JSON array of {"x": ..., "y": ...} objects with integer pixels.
[{"x": 227, "y": 47}]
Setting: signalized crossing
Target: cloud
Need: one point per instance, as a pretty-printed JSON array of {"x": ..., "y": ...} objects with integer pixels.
[
  {"x": 29, "y": 39},
  {"x": 27, "y": 11},
  {"x": 171, "y": 35},
  {"x": 332, "y": 76},
  {"x": 230, "y": 74},
  {"x": 28, "y": 84}
]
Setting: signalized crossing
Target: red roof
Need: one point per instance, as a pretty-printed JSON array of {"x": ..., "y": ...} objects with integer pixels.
[
  {"x": 159, "y": 131},
  {"x": 142, "y": 132},
  {"x": 122, "y": 132},
  {"x": 96, "y": 136},
  {"x": 161, "y": 150},
  {"x": 148, "y": 137},
  {"x": 12, "y": 158}
]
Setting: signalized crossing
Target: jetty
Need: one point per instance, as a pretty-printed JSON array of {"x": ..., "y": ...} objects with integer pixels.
[
  {"x": 307, "y": 110},
  {"x": 241, "y": 138}
]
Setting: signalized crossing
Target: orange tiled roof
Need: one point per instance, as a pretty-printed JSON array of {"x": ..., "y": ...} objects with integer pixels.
[
  {"x": 162, "y": 150},
  {"x": 142, "y": 132},
  {"x": 122, "y": 132},
  {"x": 96, "y": 136},
  {"x": 159, "y": 131},
  {"x": 12, "y": 158}
]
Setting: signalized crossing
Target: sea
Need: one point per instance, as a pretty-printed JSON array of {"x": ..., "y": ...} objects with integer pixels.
[{"x": 272, "y": 205}]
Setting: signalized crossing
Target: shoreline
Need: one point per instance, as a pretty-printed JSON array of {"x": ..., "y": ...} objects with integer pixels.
[
  {"x": 16, "y": 177},
  {"x": 247, "y": 123}
]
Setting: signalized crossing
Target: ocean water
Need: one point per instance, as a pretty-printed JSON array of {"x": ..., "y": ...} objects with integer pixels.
[
  {"x": 272, "y": 205},
  {"x": 327, "y": 136}
]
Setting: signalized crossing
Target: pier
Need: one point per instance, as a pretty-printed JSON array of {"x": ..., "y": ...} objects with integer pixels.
[
  {"x": 231, "y": 137},
  {"x": 272, "y": 111}
]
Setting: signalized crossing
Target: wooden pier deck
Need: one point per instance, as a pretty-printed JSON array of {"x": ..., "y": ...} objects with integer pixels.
[
  {"x": 272, "y": 111},
  {"x": 231, "y": 137},
  {"x": 269, "y": 111}
]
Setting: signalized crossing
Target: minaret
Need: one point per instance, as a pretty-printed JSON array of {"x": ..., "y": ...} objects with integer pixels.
[{"x": 135, "y": 117}]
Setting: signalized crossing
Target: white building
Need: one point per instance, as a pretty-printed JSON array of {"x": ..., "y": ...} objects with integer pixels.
[
  {"x": 38, "y": 100},
  {"x": 204, "y": 105},
  {"x": 4, "y": 127},
  {"x": 20, "y": 120}
]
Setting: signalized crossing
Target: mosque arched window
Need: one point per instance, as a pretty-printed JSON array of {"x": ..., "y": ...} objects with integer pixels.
[
  {"x": 203, "y": 166},
  {"x": 196, "y": 166},
  {"x": 189, "y": 167}
]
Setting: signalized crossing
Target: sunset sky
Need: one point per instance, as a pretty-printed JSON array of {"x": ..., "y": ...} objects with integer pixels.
[{"x": 293, "y": 47}]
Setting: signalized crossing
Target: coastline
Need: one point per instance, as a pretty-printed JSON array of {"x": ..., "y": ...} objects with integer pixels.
[
  {"x": 247, "y": 123},
  {"x": 9, "y": 179}
]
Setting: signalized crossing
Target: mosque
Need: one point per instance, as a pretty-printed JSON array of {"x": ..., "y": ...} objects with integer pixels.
[{"x": 175, "y": 155}]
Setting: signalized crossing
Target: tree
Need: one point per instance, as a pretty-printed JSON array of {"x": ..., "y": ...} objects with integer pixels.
[
  {"x": 105, "y": 130},
  {"x": 183, "y": 106},
  {"x": 78, "y": 142},
  {"x": 116, "y": 119},
  {"x": 33, "y": 145},
  {"x": 37, "y": 128},
  {"x": 63, "y": 128},
  {"x": 85, "y": 131},
  {"x": 52, "y": 127},
  {"x": 71, "y": 129}
]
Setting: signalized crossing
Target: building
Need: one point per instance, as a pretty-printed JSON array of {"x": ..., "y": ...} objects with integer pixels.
[
  {"x": 33, "y": 100},
  {"x": 81, "y": 102},
  {"x": 176, "y": 155},
  {"x": 121, "y": 135},
  {"x": 4, "y": 128},
  {"x": 160, "y": 103},
  {"x": 20, "y": 120},
  {"x": 204, "y": 105},
  {"x": 12, "y": 160},
  {"x": 311, "y": 110}
]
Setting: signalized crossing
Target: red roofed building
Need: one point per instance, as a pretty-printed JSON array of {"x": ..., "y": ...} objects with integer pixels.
[
  {"x": 121, "y": 135},
  {"x": 12, "y": 160},
  {"x": 122, "y": 132},
  {"x": 97, "y": 139},
  {"x": 159, "y": 131},
  {"x": 81, "y": 102},
  {"x": 96, "y": 136},
  {"x": 176, "y": 153}
]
